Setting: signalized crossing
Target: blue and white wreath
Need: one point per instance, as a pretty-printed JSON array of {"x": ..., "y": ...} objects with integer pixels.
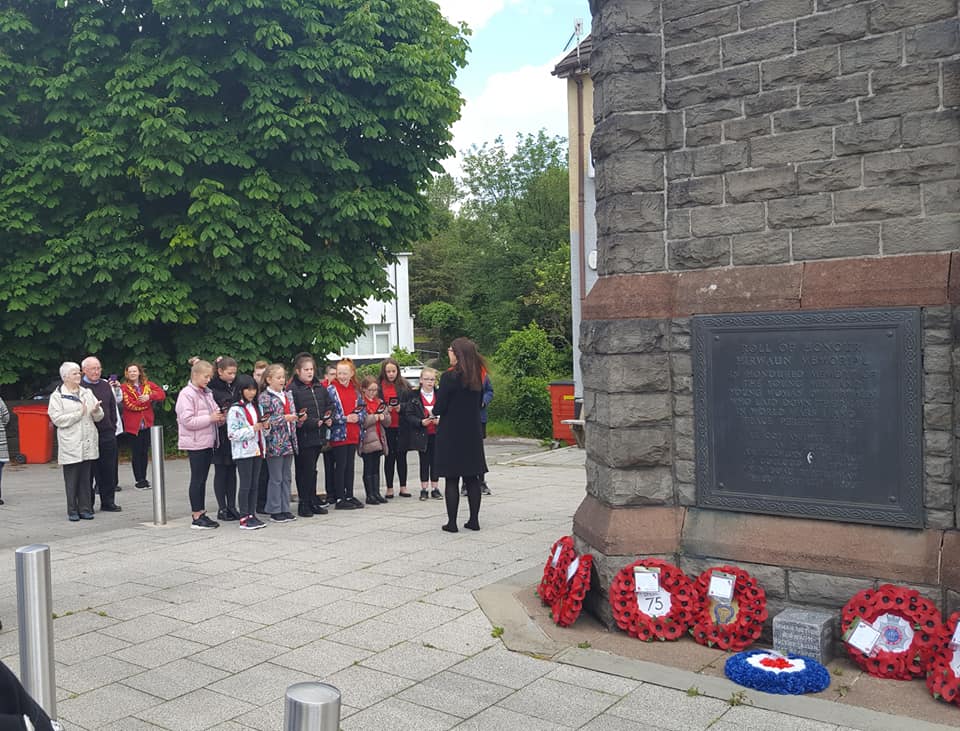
[{"x": 772, "y": 672}]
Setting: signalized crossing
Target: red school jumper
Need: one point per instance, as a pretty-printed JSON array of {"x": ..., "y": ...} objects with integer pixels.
[{"x": 348, "y": 400}]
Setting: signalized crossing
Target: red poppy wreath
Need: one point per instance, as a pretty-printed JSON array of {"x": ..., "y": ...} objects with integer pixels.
[
  {"x": 664, "y": 614},
  {"x": 554, "y": 577},
  {"x": 731, "y": 619},
  {"x": 566, "y": 607},
  {"x": 943, "y": 677},
  {"x": 909, "y": 631}
]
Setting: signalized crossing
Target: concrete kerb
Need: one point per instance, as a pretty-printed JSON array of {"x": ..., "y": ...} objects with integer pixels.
[{"x": 500, "y": 603}]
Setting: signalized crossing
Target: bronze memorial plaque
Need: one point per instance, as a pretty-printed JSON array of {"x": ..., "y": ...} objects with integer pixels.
[{"x": 811, "y": 414}]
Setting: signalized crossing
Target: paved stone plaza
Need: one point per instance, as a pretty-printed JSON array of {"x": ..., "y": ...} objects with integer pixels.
[{"x": 171, "y": 628}]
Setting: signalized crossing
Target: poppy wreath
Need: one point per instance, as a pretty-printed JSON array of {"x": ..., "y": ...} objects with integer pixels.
[
  {"x": 566, "y": 607},
  {"x": 772, "y": 672},
  {"x": 675, "y": 618},
  {"x": 555, "y": 574},
  {"x": 943, "y": 677},
  {"x": 730, "y": 626},
  {"x": 910, "y": 626}
]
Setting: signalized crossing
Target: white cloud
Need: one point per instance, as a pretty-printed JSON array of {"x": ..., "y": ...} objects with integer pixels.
[
  {"x": 524, "y": 100},
  {"x": 476, "y": 13}
]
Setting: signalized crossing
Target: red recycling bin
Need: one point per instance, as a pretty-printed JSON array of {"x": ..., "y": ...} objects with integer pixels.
[
  {"x": 562, "y": 404},
  {"x": 36, "y": 433}
]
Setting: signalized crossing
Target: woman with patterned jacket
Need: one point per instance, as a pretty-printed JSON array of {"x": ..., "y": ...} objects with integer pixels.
[
  {"x": 139, "y": 394},
  {"x": 280, "y": 440}
]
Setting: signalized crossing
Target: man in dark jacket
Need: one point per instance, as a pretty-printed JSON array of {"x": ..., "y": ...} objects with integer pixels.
[
  {"x": 17, "y": 708},
  {"x": 105, "y": 469}
]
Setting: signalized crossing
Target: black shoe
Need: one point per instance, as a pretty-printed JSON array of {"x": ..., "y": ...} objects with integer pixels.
[
  {"x": 86, "y": 516},
  {"x": 226, "y": 514},
  {"x": 435, "y": 494},
  {"x": 117, "y": 488},
  {"x": 463, "y": 492},
  {"x": 484, "y": 490},
  {"x": 110, "y": 508},
  {"x": 73, "y": 517},
  {"x": 380, "y": 498},
  {"x": 356, "y": 502},
  {"x": 405, "y": 494},
  {"x": 345, "y": 505},
  {"x": 282, "y": 517},
  {"x": 450, "y": 528},
  {"x": 304, "y": 510},
  {"x": 319, "y": 509},
  {"x": 203, "y": 522},
  {"x": 472, "y": 525},
  {"x": 424, "y": 495},
  {"x": 389, "y": 496},
  {"x": 371, "y": 500},
  {"x": 142, "y": 485}
]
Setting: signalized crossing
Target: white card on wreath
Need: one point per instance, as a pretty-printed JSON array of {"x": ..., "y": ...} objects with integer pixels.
[
  {"x": 556, "y": 556},
  {"x": 721, "y": 586},
  {"x": 955, "y": 640},
  {"x": 863, "y": 636},
  {"x": 655, "y": 605},
  {"x": 646, "y": 579},
  {"x": 572, "y": 568}
]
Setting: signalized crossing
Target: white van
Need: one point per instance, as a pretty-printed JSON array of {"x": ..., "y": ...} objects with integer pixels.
[{"x": 411, "y": 374}]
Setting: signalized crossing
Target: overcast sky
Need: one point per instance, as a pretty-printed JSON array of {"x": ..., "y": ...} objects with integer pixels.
[{"x": 507, "y": 83}]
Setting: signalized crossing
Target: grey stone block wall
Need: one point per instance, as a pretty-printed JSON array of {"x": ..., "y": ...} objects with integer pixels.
[{"x": 768, "y": 127}]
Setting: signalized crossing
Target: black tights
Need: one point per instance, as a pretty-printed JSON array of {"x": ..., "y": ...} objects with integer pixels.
[
  {"x": 394, "y": 458},
  {"x": 451, "y": 494},
  {"x": 225, "y": 485}
]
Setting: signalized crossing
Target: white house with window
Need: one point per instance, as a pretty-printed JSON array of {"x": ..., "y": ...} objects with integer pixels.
[{"x": 388, "y": 323}]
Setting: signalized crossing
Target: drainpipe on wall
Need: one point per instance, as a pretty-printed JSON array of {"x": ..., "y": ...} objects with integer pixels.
[{"x": 581, "y": 159}]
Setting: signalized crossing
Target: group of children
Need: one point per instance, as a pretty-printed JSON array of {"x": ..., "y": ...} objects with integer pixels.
[{"x": 259, "y": 429}]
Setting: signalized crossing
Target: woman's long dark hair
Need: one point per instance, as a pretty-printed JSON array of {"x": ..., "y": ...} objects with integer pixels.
[
  {"x": 400, "y": 383},
  {"x": 470, "y": 364}
]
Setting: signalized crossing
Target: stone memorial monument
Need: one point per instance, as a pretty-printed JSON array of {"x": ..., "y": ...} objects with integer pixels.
[{"x": 771, "y": 353}]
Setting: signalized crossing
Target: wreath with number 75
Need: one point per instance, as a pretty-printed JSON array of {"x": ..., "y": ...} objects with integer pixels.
[{"x": 664, "y": 615}]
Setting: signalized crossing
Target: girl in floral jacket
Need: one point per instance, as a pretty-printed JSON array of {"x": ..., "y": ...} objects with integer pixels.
[
  {"x": 280, "y": 440},
  {"x": 245, "y": 432}
]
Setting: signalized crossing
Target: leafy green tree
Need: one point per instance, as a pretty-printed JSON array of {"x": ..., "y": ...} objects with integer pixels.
[
  {"x": 443, "y": 321},
  {"x": 503, "y": 257},
  {"x": 210, "y": 176}
]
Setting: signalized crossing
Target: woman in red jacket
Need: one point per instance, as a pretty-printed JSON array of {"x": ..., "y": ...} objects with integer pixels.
[{"x": 139, "y": 396}]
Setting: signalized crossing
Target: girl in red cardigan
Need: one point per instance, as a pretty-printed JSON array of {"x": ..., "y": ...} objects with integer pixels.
[
  {"x": 346, "y": 433},
  {"x": 139, "y": 396}
]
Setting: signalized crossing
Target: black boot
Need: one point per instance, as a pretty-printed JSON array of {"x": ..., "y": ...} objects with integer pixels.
[
  {"x": 368, "y": 489},
  {"x": 473, "y": 500},
  {"x": 451, "y": 494},
  {"x": 375, "y": 488}
]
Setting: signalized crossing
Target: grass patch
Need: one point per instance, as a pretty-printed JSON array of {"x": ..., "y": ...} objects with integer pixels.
[{"x": 501, "y": 428}]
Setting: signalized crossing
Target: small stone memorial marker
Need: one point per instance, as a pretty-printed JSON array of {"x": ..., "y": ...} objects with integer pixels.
[{"x": 804, "y": 632}]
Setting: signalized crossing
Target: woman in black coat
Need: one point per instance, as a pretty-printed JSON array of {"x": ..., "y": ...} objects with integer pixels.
[
  {"x": 310, "y": 396},
  {"x": 225, "y": 393},
  {"x": 459, "y": 433}
]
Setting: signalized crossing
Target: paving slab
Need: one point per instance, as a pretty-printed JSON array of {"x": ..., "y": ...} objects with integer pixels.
[{"x": 176, "y": 629}]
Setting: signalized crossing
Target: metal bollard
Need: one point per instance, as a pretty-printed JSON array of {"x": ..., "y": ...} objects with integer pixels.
[
  {"x": 159, "y": 496},
  {"x": 311, "y": 706},
  {"x": 35, "y": 617}
]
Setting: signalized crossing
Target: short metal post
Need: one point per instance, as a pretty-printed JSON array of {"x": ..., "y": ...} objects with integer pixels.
[
  {"x": 159, "y": 496},
  {"x": 35, "y": 618},
  {"x": 311, "y": 706}
]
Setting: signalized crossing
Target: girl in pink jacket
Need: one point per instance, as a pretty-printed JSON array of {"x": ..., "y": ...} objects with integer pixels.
[{"x": 198, "y": 417}]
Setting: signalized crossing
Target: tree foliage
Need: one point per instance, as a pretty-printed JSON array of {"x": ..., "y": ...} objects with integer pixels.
[
  {"x": 502, "y": 259},
  {"x": 210, "y": 176}
]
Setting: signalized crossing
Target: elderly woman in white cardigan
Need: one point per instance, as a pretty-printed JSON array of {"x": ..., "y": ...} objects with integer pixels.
[{"x": 74, "y": 410}]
